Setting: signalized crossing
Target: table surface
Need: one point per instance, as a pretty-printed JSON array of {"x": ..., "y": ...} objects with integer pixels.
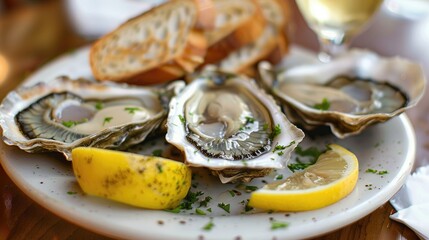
[{"x": 33, "y": 35}]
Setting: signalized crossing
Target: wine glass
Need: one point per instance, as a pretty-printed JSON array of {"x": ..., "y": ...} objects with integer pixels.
[{"x": 336, "y": 21}]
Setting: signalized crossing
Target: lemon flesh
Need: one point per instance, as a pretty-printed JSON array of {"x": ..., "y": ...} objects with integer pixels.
[
  {"x": 329, "y": 180},
  {"x": 142, "y": 181}
]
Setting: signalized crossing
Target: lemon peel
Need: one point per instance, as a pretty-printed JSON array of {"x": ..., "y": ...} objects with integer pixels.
[{"x": 330, "y": 179}]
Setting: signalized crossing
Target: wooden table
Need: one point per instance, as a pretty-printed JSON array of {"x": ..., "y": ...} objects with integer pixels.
[{"x": 32, "y": 35}]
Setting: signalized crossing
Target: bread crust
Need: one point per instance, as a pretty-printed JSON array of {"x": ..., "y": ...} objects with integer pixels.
[
  {"x": 248, "y": 31},
  {"x": 167, "y": 67}
]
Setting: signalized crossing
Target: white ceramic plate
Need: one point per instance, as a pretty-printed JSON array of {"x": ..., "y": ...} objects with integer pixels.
[{"x": 48, "y": 179}]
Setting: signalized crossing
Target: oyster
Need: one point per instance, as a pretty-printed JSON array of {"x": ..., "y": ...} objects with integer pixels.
[
  {"x": 226, "y": 123},
  {"x": 347, "y": 94},
  {"x": 64, "y": 113}
]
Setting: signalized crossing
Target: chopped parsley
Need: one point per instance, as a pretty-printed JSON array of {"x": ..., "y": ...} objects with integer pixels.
[
  {"x": 208, "y": 226},
  {"x": 312, "y": 153},
  {"x": 251, "y": 188},
  {"x": 232, "y": 193},
  {"x": 99, "y": 105},
  {"x": 107, "y": 120},
  {"x": 204, "y": 202},
  {"x": 278, "y": 225},
  {"x": 199, "y": 211},
  {"x": 279, "y": 177},
  {"x": 224, "y": 206},
  {"x": 71, "y": 193},
  {"x": 265, "y": 127},
  {"x": 157, "y": 152},
  {"x": 324, "y": 105},
  {"x": 69, "y": 124},
  {"x": 276, "y": 131},
  {"x": 249, "y": 120},
  {"x": 182, "y": 119},
  {"x": 159, "y": 167},
  {"x": 132, "y": 110},
  {"x": 381, "y": 172},
  {"x": 187, "y": 202}
]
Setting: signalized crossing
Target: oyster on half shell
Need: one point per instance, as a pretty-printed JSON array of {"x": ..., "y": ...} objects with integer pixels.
[
  {"x": 348, "y": 94},
  {"x": 64, "y": 113},
  {"x": 226, "y": 123}
]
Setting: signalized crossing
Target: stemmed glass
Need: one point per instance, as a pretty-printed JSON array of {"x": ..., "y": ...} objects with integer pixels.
[{"x": 336, "y": 21}]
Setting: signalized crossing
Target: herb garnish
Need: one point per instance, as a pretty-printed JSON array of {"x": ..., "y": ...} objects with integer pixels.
[
  {"x": 99, "y": 105},
  {"x": 208, "y": 226},
  {"x": 279, "y": 177},
  {"x": 381, "y": 172},
  {"x": 249, "y": 120},
  {"x": 71, "y": 193},
  {"x": 71, "y": 123},
  {"x": 224, "y": 206},
  {"x": 251, "y": 188},
  {"x": 324, "y": 105},
  {"x": 276, "y": 131},
  {"x": 182, "y": 119},
  {"x": 312, "y": 153},
  {"x": 187, "y": 202},
  {"x": 199, "y": 211},
  {"x": 107, "y": 120},
  {"x": 157, "y": 152},
  {"x": 278, "y": 225},
  {"x": 132, "y": 110},
  {"x": 204, "y": 202}
]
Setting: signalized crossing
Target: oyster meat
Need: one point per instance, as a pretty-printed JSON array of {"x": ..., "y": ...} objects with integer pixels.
[
  {"x": 349, "y": 94},
  {"x": 64, "y": 113},
  {"x": 226, "y": 123}
]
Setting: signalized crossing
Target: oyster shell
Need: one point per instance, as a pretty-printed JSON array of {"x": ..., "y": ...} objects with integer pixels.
[
  {"x": 348, "y": 94},
  {"x": 64, "y": 113},
  {"x": 226, "y": 123}
]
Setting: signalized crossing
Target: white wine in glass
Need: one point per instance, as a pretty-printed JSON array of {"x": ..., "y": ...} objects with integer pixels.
[{"x": 336, "y": 21}]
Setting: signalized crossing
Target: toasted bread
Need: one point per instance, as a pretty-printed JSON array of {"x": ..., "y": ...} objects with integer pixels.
[
  {"x": 271, "y": 45},
  {"x": 238, "y": 22},
  {"x": 162, "y": 44}
]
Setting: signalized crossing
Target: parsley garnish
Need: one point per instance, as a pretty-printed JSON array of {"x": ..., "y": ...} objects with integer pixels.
[
  {"x": 107, "y": 120},
  {"x": 157, "y": 152},
  {"x": 204, "y": 202},
  {"x": 71, "y": 193},
  {"x": 99, "y": 105},
  {"x": 199, "y": 211},
  {"x": 251, "y": 188},
  {"x": 279, "y": 177},
  {"x": 312, "y": 152},
  {"x": 69, "y": 124},
  {"x": 324, "y": 105},
  {"x": 182, "y": 119},
  {"x": 159, "y": 166},
  {"x": 224, "y": 206},
  {"x": 232, "y": 193},
  {"x": 278, "y": 225},
  {"x": 276, "y": 131},
  {"x": 208, "y": 226},
  {"x": 249, "y": 120},
  {"x": 369, "y": 170},
  {"x": 132, "y": 110},
  {"x": 383, "y": 172}
]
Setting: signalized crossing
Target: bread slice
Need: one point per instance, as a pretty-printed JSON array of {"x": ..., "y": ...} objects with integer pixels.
[
  {"x": 271, "y": 45},
  {"x": 162, "y": 44},
  {"x": 237, "y": 23}
]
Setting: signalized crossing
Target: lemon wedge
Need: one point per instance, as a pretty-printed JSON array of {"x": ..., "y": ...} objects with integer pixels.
[
  {"x": 330, "y": 179},
  {"x": 143, "y": 181}
]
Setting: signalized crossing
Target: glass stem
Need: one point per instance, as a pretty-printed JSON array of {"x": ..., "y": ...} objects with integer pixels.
[{"x": 331, "y": 45}]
